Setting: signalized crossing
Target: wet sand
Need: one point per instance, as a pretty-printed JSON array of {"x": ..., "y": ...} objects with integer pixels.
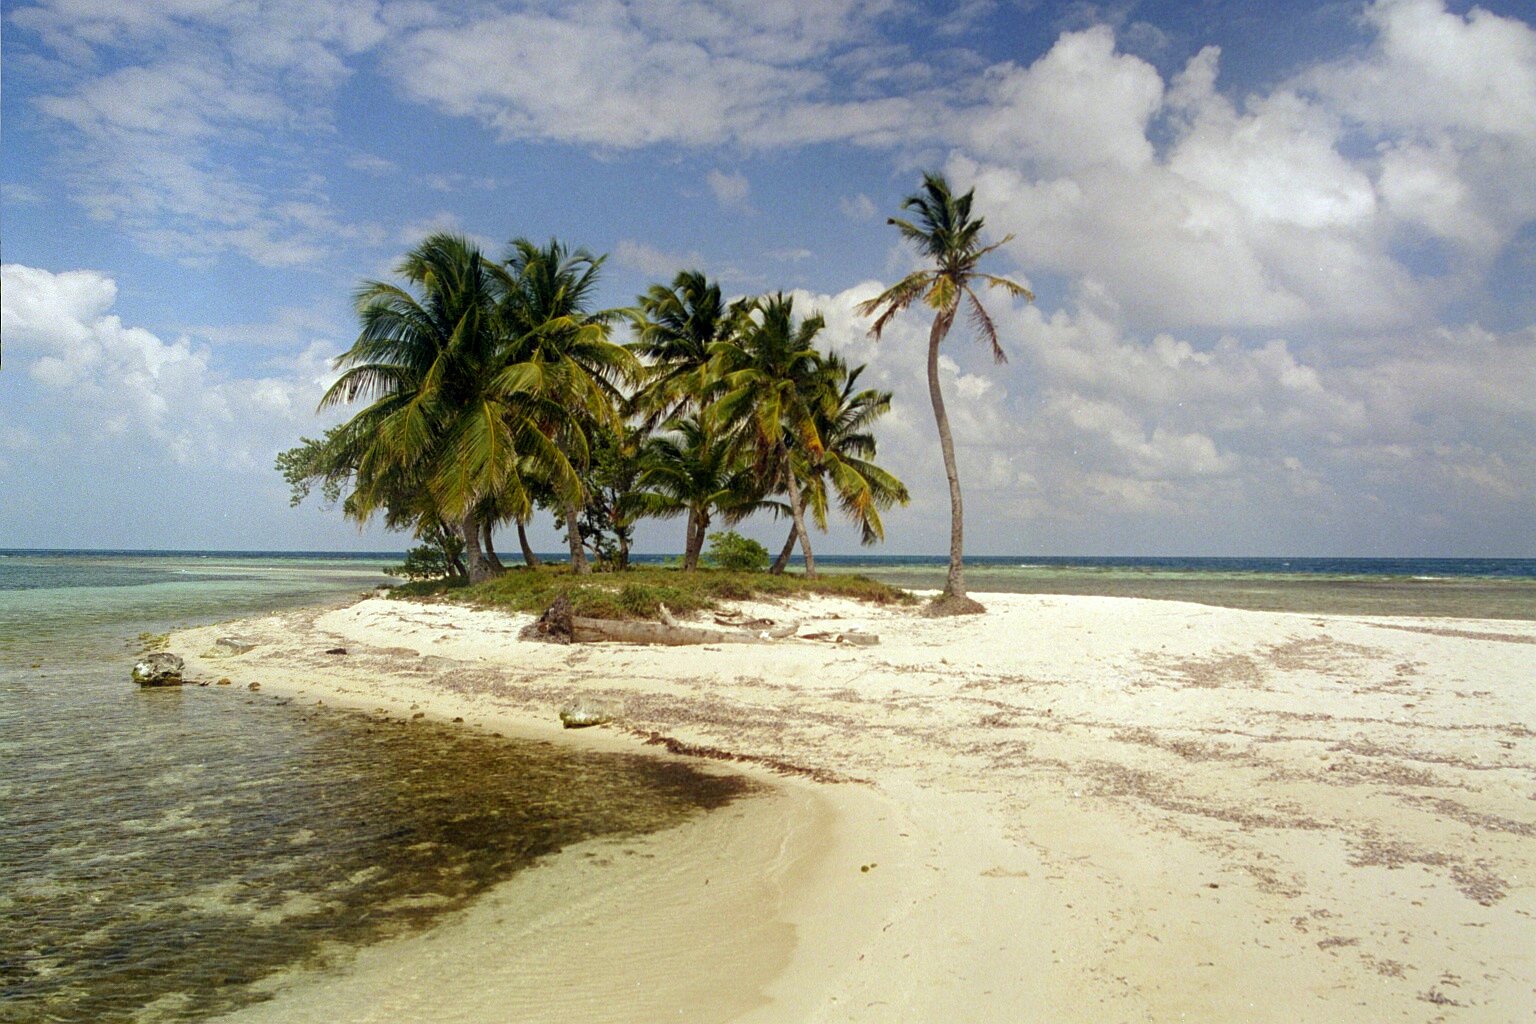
[{"x": 1069, "y": 809}]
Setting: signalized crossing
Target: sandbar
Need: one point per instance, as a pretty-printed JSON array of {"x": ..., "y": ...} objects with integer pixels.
[{"x": 1070, "y": 808}]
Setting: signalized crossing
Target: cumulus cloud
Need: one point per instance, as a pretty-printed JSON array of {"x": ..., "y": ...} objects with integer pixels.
[
  {"x": 1081, "y": 105},
  {"x": 1091, "y": 435},
  {"x": 1452, "y": 101},
  {"x": 1301, "y": 207},
  {"x": 105, "y": 383}
]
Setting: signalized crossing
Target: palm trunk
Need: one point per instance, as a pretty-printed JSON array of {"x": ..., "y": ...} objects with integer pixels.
[
  {"x": 469, "y": 529},
  {"x": 797, "y": 509},
  {"x": 698, "y": 525},
  {"x": 490, "y": 551},
  {"x": 782, "y": 562},
  {"x": 579, "y": 564},
  {"x": 954, "y": 585},
  {"x": 530, "y": 559}
]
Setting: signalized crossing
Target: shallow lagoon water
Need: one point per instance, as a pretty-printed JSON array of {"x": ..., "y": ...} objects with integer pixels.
[{"x": 164, "y": 850}]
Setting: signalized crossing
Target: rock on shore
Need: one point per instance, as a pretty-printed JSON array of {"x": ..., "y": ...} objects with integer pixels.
[{"x": 158, "y": 670}]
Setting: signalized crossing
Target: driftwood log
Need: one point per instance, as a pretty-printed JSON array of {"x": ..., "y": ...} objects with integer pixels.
[
  {"x": 558, "y": 625},
  {"x": 585, "y": 630}
]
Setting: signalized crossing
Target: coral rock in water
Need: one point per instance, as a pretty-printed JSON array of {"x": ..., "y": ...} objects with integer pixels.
[{"x": 157, "y": 670}]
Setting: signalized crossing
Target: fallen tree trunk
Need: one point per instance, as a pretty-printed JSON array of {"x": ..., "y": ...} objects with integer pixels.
[
  {"x": 558, "y": 625},
  {"x": 585, "y": 630}
]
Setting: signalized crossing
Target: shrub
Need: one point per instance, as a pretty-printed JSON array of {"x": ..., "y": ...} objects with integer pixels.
[
  {"x": 731, "y": 551},
  {"x": 421, "y": 563}
]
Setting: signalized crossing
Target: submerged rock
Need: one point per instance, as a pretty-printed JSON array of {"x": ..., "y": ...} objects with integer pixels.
[
  {"x": 579, "y": 714},
  {"x": 158, "y": 670}
]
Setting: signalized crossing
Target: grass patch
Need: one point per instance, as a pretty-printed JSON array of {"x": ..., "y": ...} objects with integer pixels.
[{"x": 640, "y": 593}]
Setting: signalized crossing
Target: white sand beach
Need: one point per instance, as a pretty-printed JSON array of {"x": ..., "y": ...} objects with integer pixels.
[{"x": 1067, "y": 809}]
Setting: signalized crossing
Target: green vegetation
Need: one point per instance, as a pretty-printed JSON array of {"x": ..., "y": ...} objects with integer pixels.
[
  {"x": 149, "y": 643},
  {"x": 948, "y": 235},
  {"x": 640, "y": 592},
  {"x": 425, "y": 562},
  {"x": 485, "y": 391},
  {"x": 488, "y": 391},
  {"x": 731, "y": 551}
]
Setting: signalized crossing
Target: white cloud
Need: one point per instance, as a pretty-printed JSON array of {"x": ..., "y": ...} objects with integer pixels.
[
  {"x": 730, "y": 190},
  {"x": 673, "y": 72},
  {"x": 1272, "y": 215},
  {"x": 1452, "y": 101},
  {"x": 372, "y": 164},
  {"x": 1091, "y": 435},
  {"x": 1079, "y": 106},
  {"x": 108, "y": 384},
  {"x": 653, "y": 262},
  {"x": 859, "y": 207},
  {"x": 192, "y": 140},
  {"x": 1432, "y": 69}
]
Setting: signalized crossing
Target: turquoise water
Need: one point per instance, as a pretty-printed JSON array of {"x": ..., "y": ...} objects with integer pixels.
[{"x": 164, "y": 850}]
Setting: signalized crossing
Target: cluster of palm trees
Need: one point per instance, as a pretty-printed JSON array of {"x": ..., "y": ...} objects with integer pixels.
[
  {"x": 489, "y": 390},
  {"x": 494, "y": 388}
]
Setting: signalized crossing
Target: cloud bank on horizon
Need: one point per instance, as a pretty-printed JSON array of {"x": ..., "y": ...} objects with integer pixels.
[{"x": 1285, "y": 267}]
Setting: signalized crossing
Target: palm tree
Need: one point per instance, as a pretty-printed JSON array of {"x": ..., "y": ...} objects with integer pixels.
[
  {"x": 562, "y": 354},
  {"x": 697, "y": 469},
  {"x": 432, "y": 429},
  {"x": 843, "y": 414},
  {"x": 674, "y": 329},
  {"x": 947, "y": 234},
  {"x": 767, "y": 367}
]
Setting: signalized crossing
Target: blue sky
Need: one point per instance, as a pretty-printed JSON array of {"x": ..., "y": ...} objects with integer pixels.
[{"x": 1283, "y": 253}]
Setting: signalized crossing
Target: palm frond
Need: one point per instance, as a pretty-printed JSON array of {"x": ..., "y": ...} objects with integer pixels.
[{"x": 981, "y": 321}]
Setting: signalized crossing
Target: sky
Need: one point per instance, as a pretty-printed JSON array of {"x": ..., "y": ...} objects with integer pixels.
[{"x": 1284, "y": 254}]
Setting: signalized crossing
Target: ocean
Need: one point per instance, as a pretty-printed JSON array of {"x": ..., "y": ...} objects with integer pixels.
[
  {"x": 166, "y": 853},
  {"x": 1480, "y": 588}
]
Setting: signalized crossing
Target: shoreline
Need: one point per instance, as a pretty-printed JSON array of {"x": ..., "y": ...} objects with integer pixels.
[{"x": 1076, "y": 808}]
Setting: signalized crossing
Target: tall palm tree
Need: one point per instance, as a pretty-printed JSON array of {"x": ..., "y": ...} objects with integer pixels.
[
  {"x": 432, "y": 427},
  {"x": 946, "y": 233},
  {"x": 843, "y": 414},
  {"x": 562, "y": 354},
  {"x": 674, "y": 329},
  {"x": 695, "y": 468},
  {"x": 768, "y": 368}
]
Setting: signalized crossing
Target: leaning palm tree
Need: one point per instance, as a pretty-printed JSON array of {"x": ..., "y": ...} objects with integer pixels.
[
  {"x": 768, "y": 368},
  {"x": 844, "y": 413},
  {"x": 561, "y": 353},
  {"x": 946, "y": 233}
]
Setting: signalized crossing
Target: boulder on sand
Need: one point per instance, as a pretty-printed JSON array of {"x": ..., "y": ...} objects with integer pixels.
[
  {"x": 158, "y": 670},
  {"x": 585, "y": 711}
]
